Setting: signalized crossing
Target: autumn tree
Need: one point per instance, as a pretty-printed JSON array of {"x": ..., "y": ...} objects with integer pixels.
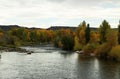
[
  {"x": 94, "y": 37},
  {"x": 112, "y": 38},
  {"x": 20, "y": 33},
  {"x": 104, "y": 27},
  {"x": 50, "y": 35},
  {"x": 111, "y": 41},
  {"x": 64, "y": 39},
  {"x": 77, "y": 45},
  {"x": 58, "y": 37},
  {"x": 81, "y": 33},
  {"x": 2, "y": 40}
]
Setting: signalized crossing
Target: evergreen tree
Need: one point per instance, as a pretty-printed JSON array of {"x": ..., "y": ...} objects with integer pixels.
[
  {"x": 119, "y": 33},
  {"x": 87, "y": 34},
  {"x": 104, "y": 27}
]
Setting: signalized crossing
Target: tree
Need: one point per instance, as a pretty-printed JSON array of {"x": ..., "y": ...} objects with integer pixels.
[
  {"x": 112, "y": 38},
  {"x": 111, "y": 41},
  {"x": 33, "y": 36},
  {"x": 87, "y": 34},
  {"x": 80, "y": 32},
  {"x": 2, "y": 40},
  {"x": 57, "y": 42},
  {"x": 94, "y": 37},
  {"x": 104, "y": 27},
  {"x": 67, "y": 42},
  {"x": 82, "y": 35},
  {"x": 77, "y": 44},
  {"x": 119, "y": 33}
]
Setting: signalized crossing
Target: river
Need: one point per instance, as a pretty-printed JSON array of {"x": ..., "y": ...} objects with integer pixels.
[{"x": 51, "y": 63}]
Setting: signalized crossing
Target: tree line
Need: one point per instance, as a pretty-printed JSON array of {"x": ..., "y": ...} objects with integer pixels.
[{"x": 103, "y": 42}]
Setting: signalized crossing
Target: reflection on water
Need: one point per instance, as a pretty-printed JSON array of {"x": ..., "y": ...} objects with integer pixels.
[
  {"x": 93, "y": 68},
  {"x": 51, "y": 63}
]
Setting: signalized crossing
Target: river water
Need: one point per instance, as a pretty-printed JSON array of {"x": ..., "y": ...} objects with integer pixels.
[{"x": 50, "y": 63}]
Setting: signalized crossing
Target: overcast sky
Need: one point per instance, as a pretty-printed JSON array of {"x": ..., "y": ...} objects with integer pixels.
[{"x": 46, "y": 13}]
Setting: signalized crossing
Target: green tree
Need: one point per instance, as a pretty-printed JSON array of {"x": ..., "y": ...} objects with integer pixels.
[
  {"x": 68, "y": 42},
  {"x": 119, "y": 33},
  {"x": 33, "y": 36},
  {"x": 87, "y": 34},
  {"x": 104, "y": 27}
]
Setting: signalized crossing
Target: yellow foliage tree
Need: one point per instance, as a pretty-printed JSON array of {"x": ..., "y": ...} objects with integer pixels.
[
  {"x": 94, "y": 37},
  {"x": 112, "y": 38},
  {"x": 77, "y": 44}
]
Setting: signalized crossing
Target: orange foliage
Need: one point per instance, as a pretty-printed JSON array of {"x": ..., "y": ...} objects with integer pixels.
[
  {"x": 1, "y": 34},
  {"x": 94, "y": 37}
]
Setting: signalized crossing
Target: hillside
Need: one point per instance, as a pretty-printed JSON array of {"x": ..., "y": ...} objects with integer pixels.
[
  {"x": 61, "y": 27},
  {"x": 9, "y": 27},
  {"x": 67, "y": 27}
]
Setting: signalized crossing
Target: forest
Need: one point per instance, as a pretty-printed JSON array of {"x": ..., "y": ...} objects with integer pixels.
[{"x": 102, "y": 42}]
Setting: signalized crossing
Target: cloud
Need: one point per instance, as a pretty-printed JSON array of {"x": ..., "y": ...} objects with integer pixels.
[
  {"x": 57, "y": 1},
  {"x": 44, "y": 13}
]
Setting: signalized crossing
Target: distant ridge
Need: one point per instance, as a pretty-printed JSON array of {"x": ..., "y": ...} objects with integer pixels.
[
  {"x": 62, "y": 27},
  {"x": 68, "y": 27},
  {"x": 9, "y": 27}
]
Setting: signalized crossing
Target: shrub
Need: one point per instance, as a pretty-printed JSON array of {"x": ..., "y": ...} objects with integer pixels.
[
  {"x": 57, "y": 42},
  {"x": 78, "y": 46},
  {"x": 102, "y": 50},
  {"x": 67, "y": 42},
  {"x": 89, "y": 48},
  {"x": 115, "y": 53}
]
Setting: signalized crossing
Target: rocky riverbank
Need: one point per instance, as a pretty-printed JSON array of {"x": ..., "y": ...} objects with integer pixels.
[{"x": 15, "y": 49}]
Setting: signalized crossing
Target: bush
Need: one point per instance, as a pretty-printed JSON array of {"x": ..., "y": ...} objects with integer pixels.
[
  {"x": 78, "y": 47},
  {"x": 115, "y": 53},
  {"x": 57, "y": 42},
  {"x": 67, "y": 42},
  {"x": 103, "y": 50},
  {"x": 89, "y": 48}
]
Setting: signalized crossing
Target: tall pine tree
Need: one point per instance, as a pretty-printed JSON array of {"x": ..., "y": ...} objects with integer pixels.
[
  {"x": 87, "y": 33},
  {"x": 119, "y": 33},
  {"x": 104, "y": 27}
]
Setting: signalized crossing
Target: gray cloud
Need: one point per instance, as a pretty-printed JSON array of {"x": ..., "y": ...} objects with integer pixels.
[
  {"x": 58, "y": 1},
  {"x": 26, "y": 12}
]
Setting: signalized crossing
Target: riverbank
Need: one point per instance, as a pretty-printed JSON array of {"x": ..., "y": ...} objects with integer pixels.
[{"x": 14, "y": 49}]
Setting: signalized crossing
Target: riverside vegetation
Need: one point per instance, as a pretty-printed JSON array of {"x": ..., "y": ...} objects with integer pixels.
[{"x": 102, "y": 42}]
